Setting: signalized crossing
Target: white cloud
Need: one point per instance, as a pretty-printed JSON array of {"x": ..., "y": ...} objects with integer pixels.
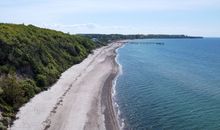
[
  {"x": 74, "y": 26},
  {"x": 95, "y": 28},
  {"x": 66, "y": 12},
  {"x": 48, "y": 11},
  {"x": 89, "y": 28}
]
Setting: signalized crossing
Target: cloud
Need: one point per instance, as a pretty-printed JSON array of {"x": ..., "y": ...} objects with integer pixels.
[
  {"x": 73, "y": 26},
  {"x": 88, "y": 28},
  {"x": 115, "y": 16},
  {"x": 96, "y": 28},
  {"x": 51, "y": 11}
]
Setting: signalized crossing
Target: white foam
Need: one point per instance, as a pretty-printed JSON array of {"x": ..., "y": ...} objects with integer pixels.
[{"x": 114, "y": 100}]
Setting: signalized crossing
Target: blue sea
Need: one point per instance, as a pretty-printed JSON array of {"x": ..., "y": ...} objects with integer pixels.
[{"x": 169, "y": 84}]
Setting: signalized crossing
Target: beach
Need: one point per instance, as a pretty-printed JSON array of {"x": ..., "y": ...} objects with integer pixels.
[{"x": 80, "y": 99}]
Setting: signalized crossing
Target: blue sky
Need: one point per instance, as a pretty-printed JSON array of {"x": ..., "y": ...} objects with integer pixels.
[{"x": 190, "y": 17}]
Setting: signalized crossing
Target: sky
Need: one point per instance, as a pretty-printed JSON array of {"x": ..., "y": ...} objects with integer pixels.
[{"x": 189, "y": 17}]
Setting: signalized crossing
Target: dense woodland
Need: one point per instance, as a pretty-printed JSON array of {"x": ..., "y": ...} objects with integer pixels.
[{"x": 31, "y": 60}]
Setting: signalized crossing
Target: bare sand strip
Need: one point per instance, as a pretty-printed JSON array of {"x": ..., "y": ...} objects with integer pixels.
[
  {"x": 78, "y": 100},
  {"x": 111, "y": 121}
]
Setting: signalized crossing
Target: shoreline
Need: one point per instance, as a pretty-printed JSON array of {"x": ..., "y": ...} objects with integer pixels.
[
  {"x": 111, "y": 121},
  {"x": 80, "y": 99}
]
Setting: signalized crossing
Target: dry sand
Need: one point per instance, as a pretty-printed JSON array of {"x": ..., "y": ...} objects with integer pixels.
[{"x": 81, "y": 98}]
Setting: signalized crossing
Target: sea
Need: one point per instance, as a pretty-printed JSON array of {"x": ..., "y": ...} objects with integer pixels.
[{"x": 169, "y": 84}]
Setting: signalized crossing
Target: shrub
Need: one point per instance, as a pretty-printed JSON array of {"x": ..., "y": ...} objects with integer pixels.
[
  {"x": 33, "y": 58},
  {"x": 29, "y": 88},
  {"x": 12, "y": 91},
  {"x": 2, "y": 126},
  {"x": 41, "y": 80}
]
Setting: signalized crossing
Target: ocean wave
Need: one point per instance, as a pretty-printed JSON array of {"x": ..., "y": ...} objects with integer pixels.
[{"x": 121, "y": 121}]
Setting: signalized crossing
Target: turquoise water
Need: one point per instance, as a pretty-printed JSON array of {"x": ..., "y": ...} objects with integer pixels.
[{"x": 170, "y": 86}]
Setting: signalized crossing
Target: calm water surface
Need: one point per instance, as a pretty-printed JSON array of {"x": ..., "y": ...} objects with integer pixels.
[{"x": 170, "y": 86}]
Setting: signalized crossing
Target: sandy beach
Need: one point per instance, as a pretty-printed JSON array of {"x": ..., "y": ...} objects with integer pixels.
[{"x": 80, "y": 99}]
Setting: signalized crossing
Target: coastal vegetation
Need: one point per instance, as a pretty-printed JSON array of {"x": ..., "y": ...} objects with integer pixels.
[
  {"x": 107, "y": 38},
  {"x": 31, "y": 60}
]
